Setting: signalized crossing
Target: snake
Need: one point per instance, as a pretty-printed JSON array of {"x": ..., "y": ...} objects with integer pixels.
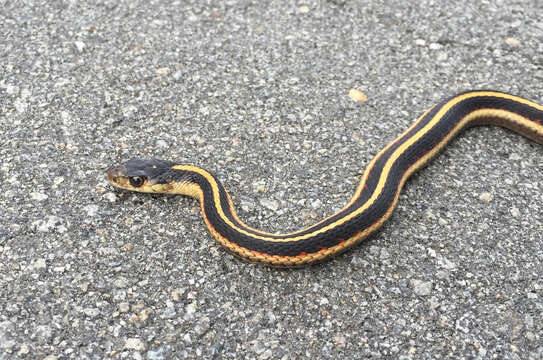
[{"x": 374, "y": 199}]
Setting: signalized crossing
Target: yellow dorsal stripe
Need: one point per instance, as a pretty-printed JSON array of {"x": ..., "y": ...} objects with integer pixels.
[{"x": 383, "y": 177}]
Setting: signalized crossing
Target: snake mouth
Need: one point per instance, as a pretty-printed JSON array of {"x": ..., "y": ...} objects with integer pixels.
[{"x": 115, "y": 173}]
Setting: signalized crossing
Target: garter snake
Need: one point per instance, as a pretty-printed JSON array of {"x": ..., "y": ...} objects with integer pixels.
[{"x": 375, "y": 197}]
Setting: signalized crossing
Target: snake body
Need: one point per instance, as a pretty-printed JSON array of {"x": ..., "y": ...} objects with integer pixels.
[{"x": 373, "y": 201}]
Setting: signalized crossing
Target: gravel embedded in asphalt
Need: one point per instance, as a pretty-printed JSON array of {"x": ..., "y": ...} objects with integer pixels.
[{"x": 258, "y": 93}]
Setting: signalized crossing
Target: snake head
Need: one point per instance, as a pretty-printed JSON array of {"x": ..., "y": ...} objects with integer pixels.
[{"x": 142, "y": 175}]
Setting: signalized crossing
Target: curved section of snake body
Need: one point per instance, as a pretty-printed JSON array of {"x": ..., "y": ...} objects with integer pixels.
[{"x": 373, "y": 201}]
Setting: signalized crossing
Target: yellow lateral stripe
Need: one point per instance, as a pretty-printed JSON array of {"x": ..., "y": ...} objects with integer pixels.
[
  {"x": 417, "y": 165},
  {"x": 382, "y": 180}
]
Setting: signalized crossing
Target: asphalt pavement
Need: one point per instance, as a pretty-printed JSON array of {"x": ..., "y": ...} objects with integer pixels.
[{"x": 258, "y": 93}]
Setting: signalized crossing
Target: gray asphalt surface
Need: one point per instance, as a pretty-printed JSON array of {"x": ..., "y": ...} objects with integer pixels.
[{"x": 258, "y": 93}]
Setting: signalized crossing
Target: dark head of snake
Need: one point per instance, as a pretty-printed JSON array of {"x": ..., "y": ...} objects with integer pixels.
[{"x": 152, "y": 176}]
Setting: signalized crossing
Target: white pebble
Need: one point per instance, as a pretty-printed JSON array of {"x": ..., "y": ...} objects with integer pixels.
[
  {"x": 134, "y": 344},
  {"x": 20, "y": 105},
  {"x": 163, "y": 71},
  {"x": 91, "y": 210},
  {"x": 111, "y": 197},
  {"x": 12, "y": 89},
  {"x": 124, "y": 307},
  {"x": 190, "y": 308},
  {"x": 38, "y": 196},
  {"x": 270, "y": 204},
  {"x": 486, "y": 197},
  {"x": 39, "y": 264},
  {"x": 420, "y": 42},
  {"x": 161, "y": 143},
  {"x": 421, "y": 288},
  {"x": 80, "y": 46},
  {"x": 442, "y": 56}
]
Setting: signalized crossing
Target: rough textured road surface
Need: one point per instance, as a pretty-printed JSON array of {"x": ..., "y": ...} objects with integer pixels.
[{"x": 257, "y": 92}]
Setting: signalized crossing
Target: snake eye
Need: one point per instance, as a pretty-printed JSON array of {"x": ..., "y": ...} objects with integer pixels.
[{"x": 136, "y": 181}]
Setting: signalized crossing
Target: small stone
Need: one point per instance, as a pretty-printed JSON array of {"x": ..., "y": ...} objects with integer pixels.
[
  {"x": 134, "y": 344},
  {"x": 65, "y": 116},
  {"x": 129, "y": 110},
  {"x": 528, "y": 321},
  {"x": 324, "y": 301},
  {"x": 121, "y": 283},
  {"x": 44, "y": 333},
  {"x": 20, "y": 105},
  {"x": 38, "y": 196},
  {"x": 124, "y": 307},
  {"x": 190, "y": 308},
  {"x": 446, "y": 263},
  {"x": 178, "y": 75},
  {"x": 159, "y": 353},
  {"x": 420, "y": 42},
  {"x": 374, "y": 250},
  {"x": 442, "y": 221},
  {"x": 442, "y": 56},
  {"x": 143, "y": 315},
  {"x": 91, "y": 312},
  {"x": 84, "y": 286},
  {"x": 515, "y": 212},
  {"x": 168, "y": 313},
  {"x": 12, "y": 89},
  {"x": 91, "y": 210},
  {"x": 304, "y": 9},
  {"x": 61, "y": 83},
  {"x": 50, "y": 224},
  {"x": 6, "y": 344},
  {"x": 270, "y": 204},
  {"x": 161, "y": 143},
  {"x": 259, "y": 187},
  {"x": 512, "y": 42},
  {"x": 435, "y": 46},
  {"x": 163, "y": 70},
  {"x": 339, "y": 339},
  {"x": 23, "y": 350},
  {"x": 39, "y": 264},
  {"x": 177, "y": 294},
  {"x": 357, "y": 95},
  {"x": 267, "y": 354},
  {"x": 80, "y": 46},
  {"x": 317, "y": 204},
  {"x": 50, "y": 357},
  {"x": 111, "y": 197},
  {"x": 515, "y": 156},
  {"x": 486, "y": 197},
  {"x": 421, "y": 288},
  {"x": 202, "y": 327}
]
